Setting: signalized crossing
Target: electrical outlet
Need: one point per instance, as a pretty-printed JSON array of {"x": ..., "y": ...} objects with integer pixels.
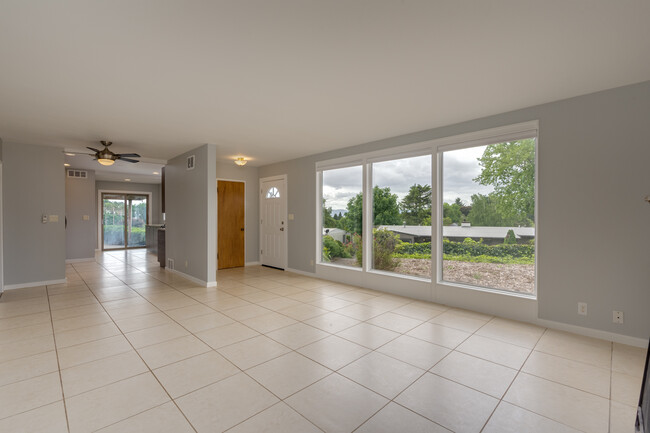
[
  {"x": 311, "y": 262},
  {"x": 617, "y": 317},
  {"x": 582, "y": 308}
]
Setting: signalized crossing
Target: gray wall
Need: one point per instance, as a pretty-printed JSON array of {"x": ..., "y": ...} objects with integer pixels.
[
  {"x": 191, "y": 213},
  {"x": 153, "y": 188},
  {"x": 593, "y": 229},
  {"x": 250, "y": 175},
  {"x": 80, "y": 234},
  {"x": 33, "y": 185}
]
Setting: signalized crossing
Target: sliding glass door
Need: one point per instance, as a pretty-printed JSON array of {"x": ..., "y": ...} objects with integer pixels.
[{"x": 124, "y": 219}]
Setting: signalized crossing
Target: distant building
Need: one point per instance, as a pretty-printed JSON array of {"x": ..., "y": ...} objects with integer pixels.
[
  {"x": 336, "y": 234},
  {"x": 490, "y": 235}
]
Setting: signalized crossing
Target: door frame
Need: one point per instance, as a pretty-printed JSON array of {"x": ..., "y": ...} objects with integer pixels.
[
  {"x": 285, "y": 234},
  {"x": 100, "y": 235},
  {"x": 245, "y": 215}
]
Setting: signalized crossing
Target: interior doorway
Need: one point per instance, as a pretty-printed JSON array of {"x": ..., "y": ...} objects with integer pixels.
[
  {"x": 273, "y": 221},
  {"x": 123, "y": 219},
  {"x": 231, "y": 233}
]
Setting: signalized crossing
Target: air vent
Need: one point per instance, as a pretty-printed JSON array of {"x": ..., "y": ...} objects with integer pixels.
[{"x": 78, "y": 174}]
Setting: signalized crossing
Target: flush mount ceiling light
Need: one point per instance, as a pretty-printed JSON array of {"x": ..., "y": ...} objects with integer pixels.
[{"x": 240, "y": 161}]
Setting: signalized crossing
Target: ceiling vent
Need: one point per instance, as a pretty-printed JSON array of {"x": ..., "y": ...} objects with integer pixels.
[{"x": 78, "y": 174}]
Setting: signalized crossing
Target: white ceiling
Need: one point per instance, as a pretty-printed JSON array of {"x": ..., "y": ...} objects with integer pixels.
[{"x": 278, "y": 79}]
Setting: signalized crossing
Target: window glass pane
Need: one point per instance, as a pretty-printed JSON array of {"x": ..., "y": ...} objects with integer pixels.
[
  {"x": 342, "y": 216},
  {"x": 402, "y": 216},
  {"x": 273, "y": 192},
  {"x": 488, "y": 233}
]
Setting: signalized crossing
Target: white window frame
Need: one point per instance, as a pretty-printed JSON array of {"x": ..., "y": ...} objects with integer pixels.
[{"x": 434, "y": 147}]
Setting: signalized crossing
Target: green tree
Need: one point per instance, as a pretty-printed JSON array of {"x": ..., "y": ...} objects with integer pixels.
[
  {"x": 385, "y": 210},
  {"x": 328, "y": 220},
  {"x": 485, "y": 212},
  {"x": 453, "y": 212},
  {"x": 510, "y": 238},
  {"x": 510, "y": 168},
  {"x": 416, "y": 206}
]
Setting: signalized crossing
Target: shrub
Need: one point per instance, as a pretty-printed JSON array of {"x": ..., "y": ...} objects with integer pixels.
[
  {"x": 510, "y": 238},
  {"x": 358, "y": 245},
  {"x": 384, "y": 244}
]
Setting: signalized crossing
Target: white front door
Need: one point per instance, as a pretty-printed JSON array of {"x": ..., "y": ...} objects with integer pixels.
[{"x": 273, "y": 222}]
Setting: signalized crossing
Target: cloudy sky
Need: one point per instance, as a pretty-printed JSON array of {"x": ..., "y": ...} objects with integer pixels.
[{"x": 459, "y": 168}]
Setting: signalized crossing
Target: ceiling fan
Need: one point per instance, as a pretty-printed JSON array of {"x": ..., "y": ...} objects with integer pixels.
[{"x": 106, "y": 157}]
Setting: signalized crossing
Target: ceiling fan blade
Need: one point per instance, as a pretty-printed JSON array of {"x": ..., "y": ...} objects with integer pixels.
[
  {"x": 128, "y": 160},
  {"x": 93, "y": 149},
  {"x": 129, "y": 154}
]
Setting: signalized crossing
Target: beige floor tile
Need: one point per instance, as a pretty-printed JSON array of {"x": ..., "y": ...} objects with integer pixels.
[
  {"x": 102, "y": 372},
  {"x": 155, "y": 335},
  {"x": 226, "y": 303},
  {"x": 165, "y": 418},
  {"x": 395, "y": 418},
  {"x": 259, "y": 297},
  {"x": 418, "y": 311},
  {"x": 29, "y": 394},
  {"x": 628, "y": 359},
  {"x": 268, "y": 322},
  {"x": 81, "y": 322},
  {"x": 576, "y": 347},
  {"x": 45, "y": 419},
  {"x": 414, "y": 351},
  {"x": 302, "y": 311},
  {"x": 576, "y": 374},
  {"x": 382, "y": 374},
  {"x": 485, "y": 376},
  {"x": 333, "y": 352},
  {"x": 447, "y": 403},
  {"x": 395, "y": 322},
  {"x": 226, "y": 335},
  {"x": 495, "y": 351},
  {"x": 510, "y": 331},
  {"x": 87, "y": 352},
  {"x": 25, "y": 332},
  {"x": 171, "y": 351},
  {"x": 278, "y": 303},
  {"x": 252, "y": 352},
  {"x": 23, "y": 348},
  {"x": 625, "y": 388},
  {"x": 438, "y": 334},
  {"x": 226, "y": 403},
  {"x": 85, "y": 335},
  {"x": 179, "y": 314},
  {"x": 288, "y": 374},
  {"x": 129, "y": 311},
  {"x": 84, "y": 310},
  {"x": 104, "y": 406},
  {"x": 361, "y": 312},
  {"x": 143, "y": 322},
  {"x": 569, "y": 406},
  {"x": 193, "y": 373},
  {"x": 246, "y": 312},
  {"x": 72, "y": 301},
  {"x": 622, "y": 418},
  {"x": 457, "y": 320},
  {"x": 336, "y": 403},
  {"x": 332, "y": 322},
  {"x": 297, "y": 335},
  {"x": 27, "y": 320},
  {"x": 278, "y": 418},
  {"x": 28, "y": 367},
  {"x": 331, "y": 303},
  {"x": 207, "y": 321},
  {"x": 367, "y": 335},
  {"x": 512, "y": 419}
]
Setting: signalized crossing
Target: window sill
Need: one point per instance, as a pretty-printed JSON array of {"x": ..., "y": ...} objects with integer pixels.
[{"x": 531, "y": 296}]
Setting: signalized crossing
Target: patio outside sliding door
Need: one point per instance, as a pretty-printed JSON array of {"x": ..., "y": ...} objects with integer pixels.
[{"x": 124, "y": 220}]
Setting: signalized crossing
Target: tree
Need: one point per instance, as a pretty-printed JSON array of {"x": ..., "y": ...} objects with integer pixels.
[
  {"x": 385, "y": 210},
  {"x": 416, "y": 206},
  {"x": 328, "y": 219},
  {"x": 510, "y": 168},
  {"x": 510, "y": 238},
  {"x": 453, "y": 212}
]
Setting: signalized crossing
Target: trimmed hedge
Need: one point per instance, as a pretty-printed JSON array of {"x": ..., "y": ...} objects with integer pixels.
[
  {"x": 114, "y": 235},
  {"x": 469, "y": 248}
]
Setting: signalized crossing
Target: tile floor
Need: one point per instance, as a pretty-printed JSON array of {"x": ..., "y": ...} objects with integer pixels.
[{"x": 126, "y": 347}]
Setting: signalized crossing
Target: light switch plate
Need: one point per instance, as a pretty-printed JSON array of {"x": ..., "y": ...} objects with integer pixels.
[
  {"x": 54, "y": 218},
  {"x": 291, "y": 217},
  {"x": 86, "y": 218}
]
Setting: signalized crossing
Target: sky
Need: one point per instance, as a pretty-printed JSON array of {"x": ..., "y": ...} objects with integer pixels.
[{"x": 459, "y": 168}]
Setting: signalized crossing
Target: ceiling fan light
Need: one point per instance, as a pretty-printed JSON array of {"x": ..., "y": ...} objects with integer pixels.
[
  {"x": 104, "y": 161},
  {"x": 240, "y": 161}
]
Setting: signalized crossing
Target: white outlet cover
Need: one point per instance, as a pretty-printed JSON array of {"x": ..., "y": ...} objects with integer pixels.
[{"x": 582, "y": 308}]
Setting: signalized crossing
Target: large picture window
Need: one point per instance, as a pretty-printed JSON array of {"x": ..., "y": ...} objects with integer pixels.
[
  {"x": 342, "y": 216},
  {"x": 488, "y": 215},
  {"x": 401, "y": 216}
]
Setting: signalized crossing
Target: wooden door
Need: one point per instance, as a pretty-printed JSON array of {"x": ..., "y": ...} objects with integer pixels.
[{"x": 230, "y": 225}]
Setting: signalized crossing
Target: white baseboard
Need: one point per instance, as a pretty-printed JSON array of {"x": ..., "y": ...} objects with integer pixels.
[
  {"x": 193, "y": 279},
  {"x": 594, "y": 333},
  {"x": 297, "y": 271},
  {"x": 34, "y": 284},
  {"x": 87, "y": 259},
  {"x": 252, "y": 264}
]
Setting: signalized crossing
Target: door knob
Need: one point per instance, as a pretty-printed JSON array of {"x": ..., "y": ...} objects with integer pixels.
[{"x": 281, "y": 229}]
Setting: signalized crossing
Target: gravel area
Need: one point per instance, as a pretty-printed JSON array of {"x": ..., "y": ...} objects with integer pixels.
[{"x": 517, "y": 278}]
